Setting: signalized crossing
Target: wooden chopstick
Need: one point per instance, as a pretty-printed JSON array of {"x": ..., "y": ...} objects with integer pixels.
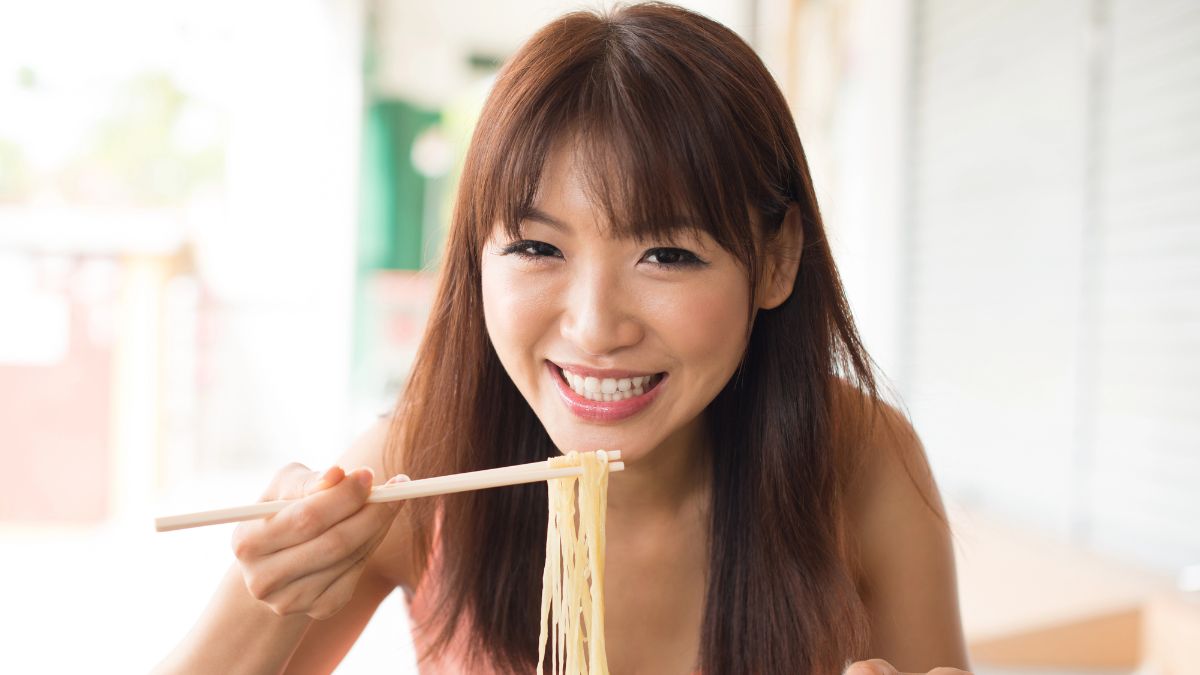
[{"x": 516, "y": 474}]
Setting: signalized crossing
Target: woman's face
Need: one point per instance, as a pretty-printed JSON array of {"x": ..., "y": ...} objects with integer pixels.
[{"x": 647, "y": 334}]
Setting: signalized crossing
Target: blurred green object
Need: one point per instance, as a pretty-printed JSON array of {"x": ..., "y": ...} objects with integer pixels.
[
  {"x": 393, "y": 191},
  {"x": 394, "y": 198}
]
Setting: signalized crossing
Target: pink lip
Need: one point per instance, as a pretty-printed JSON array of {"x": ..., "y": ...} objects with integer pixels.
[{"x": 601, "y": 411}]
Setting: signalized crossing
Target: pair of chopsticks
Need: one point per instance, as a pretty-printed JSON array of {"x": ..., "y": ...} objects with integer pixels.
[{"x": 516, "y": 474}]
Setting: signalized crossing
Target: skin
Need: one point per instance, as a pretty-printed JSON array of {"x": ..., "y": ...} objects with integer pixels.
[{"x": 591, "y": 299}]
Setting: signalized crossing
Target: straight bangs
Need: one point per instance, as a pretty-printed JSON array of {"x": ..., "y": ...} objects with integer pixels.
[{"x": 662, "y": 147}]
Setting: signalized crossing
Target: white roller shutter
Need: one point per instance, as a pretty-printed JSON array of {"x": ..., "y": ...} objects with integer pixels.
[
  {"x": 1144, "y": 497},
  {"x": 1053, "y": 360},
  {"x": 996, "y": 227}
]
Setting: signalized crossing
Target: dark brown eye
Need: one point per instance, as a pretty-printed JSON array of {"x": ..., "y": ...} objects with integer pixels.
[
  {"x": 672, "y": 257},
  {"x": 527, "y": 248}
]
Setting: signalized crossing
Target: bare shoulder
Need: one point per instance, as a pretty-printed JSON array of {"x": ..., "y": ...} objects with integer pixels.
[
  {"x": 889, "y": 465},
  {"x": 390, "y": 561},
  {"x": 897, "y": 521}
]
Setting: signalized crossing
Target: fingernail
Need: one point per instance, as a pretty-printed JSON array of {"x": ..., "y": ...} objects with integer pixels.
[
  {"x": 327, "y": 477},
  {"x": 365, "y": 476},
  {"x": 398, "y": 478}
]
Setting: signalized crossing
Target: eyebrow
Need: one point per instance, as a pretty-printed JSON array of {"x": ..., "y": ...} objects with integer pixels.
[{"x": 540, "y": 216}]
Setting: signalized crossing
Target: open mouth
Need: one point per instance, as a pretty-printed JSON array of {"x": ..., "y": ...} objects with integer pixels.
[{"x": 608, "y": 389}]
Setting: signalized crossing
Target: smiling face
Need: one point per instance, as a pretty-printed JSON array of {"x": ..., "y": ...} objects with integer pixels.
[{"x": 648, "y": 333}]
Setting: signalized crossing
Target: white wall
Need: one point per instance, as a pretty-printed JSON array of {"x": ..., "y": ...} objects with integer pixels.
[{"x": 1055, "y": 266}]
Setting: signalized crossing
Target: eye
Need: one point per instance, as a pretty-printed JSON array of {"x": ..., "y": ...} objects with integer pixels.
[
  {"x": 531, "y": 250},
  {"x": 673, "y": 258}
]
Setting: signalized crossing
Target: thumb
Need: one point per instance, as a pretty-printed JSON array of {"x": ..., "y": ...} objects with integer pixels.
[
  {"x": 321, "y": 481},
  {"x": 871, "y": 667}
]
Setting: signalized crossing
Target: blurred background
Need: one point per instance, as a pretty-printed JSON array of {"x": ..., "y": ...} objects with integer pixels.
[{"x": 220, "y": 224}]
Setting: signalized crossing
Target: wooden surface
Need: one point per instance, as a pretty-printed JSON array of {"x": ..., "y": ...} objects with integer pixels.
[{"x": 1028, "y": 600}]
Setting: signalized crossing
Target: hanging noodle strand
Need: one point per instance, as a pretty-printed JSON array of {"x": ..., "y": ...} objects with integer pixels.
[{"x": 573, "y": 579}]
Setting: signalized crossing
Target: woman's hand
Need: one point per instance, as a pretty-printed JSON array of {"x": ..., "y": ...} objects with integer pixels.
[
  {"x": 307, "y": 558},
  {"x": 881, "y": 667}
]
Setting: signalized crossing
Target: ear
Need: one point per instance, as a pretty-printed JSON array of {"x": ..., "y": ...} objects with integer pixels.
[{"x": 782, "y": 261}]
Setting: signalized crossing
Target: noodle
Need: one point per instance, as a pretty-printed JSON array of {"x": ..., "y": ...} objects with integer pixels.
[{"x": 573, "y": 580}]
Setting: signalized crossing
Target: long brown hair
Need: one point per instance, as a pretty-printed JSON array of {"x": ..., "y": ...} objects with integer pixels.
[{"x": 683, "y": 126}]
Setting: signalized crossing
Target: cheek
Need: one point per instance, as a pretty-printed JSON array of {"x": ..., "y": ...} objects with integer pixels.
[
  {"x": 706, "y": 324},
  {"x": 515, "y": 313}
]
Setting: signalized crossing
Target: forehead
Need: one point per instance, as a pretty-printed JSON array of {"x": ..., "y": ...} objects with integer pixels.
[
  {"x": 562, "y": 188},
  {"x": 579, "y": 187}
]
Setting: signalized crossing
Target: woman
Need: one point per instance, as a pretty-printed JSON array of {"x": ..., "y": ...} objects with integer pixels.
[{"x": 635, "y": 221}]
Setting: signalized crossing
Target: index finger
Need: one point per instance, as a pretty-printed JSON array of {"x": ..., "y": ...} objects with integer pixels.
[{"x": 309, "y": 517}]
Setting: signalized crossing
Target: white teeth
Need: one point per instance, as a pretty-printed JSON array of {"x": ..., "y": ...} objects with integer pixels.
[{"x": 607, "y": 389}]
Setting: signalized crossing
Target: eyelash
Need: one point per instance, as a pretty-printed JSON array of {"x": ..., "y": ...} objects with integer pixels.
[{"x": 522, "y": 249}]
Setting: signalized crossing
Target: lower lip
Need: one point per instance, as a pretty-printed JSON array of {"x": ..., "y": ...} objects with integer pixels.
[{"x": 602, "y": 411}]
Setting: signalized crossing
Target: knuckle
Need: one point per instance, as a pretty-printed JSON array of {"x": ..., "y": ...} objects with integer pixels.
[
  {"x": 242, "y": 543},
  {"x": 307, "y": 521},
  {"x": 354, "y": 571},
  {"x": 280, "y": 608},
  {"x": 361, "y": 552},
  {"x": 287, "y": 606},
  {"x": 335, "y": 544},
  {"x": 238, "y": 543},
  {"x": 362, "y": 556},
  {"x": 258, "y": 587}
]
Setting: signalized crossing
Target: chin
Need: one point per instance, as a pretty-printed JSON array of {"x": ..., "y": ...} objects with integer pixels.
[{"x": 631, "y": 449}]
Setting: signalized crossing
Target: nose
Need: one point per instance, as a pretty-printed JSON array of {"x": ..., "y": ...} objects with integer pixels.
[{"x": 601, "y": 315}]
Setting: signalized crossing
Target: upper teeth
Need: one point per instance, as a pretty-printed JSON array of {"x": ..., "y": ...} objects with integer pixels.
[{"x": 608, "y": 388}]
